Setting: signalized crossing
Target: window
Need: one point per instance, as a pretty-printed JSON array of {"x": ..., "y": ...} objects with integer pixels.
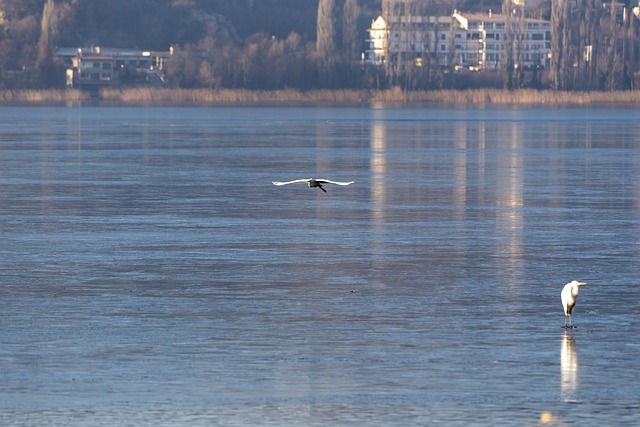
[
  {"x": 443, "y": 47},
  {"x": 443, "y": 36}
]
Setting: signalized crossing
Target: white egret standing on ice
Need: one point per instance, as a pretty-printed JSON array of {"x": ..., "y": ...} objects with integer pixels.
[
  {"x": 313, "y": 182},
  {"x": 569, "y": 297}
]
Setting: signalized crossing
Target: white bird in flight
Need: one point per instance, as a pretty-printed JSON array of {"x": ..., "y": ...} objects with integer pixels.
[
  {"x": 569, "y": 297},
  {"x": 313, "y": 182}
]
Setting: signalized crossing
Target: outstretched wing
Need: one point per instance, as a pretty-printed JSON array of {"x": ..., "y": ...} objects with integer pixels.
[
  {"x": 328, "y": 181},
  {"x": 289, "y": 182}
]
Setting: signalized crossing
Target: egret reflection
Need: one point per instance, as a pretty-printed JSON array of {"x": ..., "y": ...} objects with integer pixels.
[
  {"x": 548, "y": 419},
  {"x": 568, "y": 367}
]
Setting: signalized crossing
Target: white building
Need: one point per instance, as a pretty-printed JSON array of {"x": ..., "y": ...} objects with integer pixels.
[
  {"x": 473, "y": 41},
  {"x": 416, "y": 36},
  {"x": 98, "y": 67},
  {"x": 484, "y": 38}
]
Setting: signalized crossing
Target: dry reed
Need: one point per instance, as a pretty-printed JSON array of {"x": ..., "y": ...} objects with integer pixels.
[
  {"x": 148, "y": 96},
  {"x": 230, "y": 96},
  {"x": 352, "y": 96},
  {"x": 42, "y": 96}
]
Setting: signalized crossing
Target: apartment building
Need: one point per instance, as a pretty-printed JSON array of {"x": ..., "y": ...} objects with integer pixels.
[
  {"x": 408, "y": 36},
  {"x": 470, "y": 41}
]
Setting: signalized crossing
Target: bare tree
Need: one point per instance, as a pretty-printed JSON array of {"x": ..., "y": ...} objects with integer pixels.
[
  {"x": 612, "y": 51},
  {"x": 521, "y": 34},
  {"x": 351, "y": 39},
  {"x": 398, "y": 56},
  {"x": 391, "y": 54},
  {"x": 52, "y": 15},
  {"x": 589, "y": 32},
  {"x": 507, "y": 60},
  {"x": 632, "y": 49},
  {"x": 183, "y": 67},
  {"x": 327, "y": 42},
  {"x": 563, "y": 52},
  {"x": 350, "y": 35}
]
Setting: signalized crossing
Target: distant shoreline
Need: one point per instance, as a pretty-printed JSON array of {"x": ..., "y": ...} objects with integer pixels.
[{"x": 340, "y": 97}]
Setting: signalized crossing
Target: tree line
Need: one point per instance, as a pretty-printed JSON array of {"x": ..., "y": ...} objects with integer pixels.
[
  {"x": 309, "y": 44},
  {"x": 595, "y": 47}
]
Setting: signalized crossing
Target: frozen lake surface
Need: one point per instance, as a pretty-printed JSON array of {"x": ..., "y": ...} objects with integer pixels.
[{"x": 151, "y": 274}]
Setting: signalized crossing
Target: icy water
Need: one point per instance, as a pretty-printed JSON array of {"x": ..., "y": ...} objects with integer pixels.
[{"x": 151, "y": 274}]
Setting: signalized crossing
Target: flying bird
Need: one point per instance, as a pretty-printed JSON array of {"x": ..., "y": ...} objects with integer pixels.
[
  {"x": 313, "y": 182},
  {"x": 569, "y": 297}
]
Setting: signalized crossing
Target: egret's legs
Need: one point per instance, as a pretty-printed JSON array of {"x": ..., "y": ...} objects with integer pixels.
[{"x": 570, "y": 322}]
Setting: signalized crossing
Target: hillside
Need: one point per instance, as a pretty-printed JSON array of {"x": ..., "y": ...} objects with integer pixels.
[
  {"x": 155, "y": 24},
  {"x": 30, "y": 30}
]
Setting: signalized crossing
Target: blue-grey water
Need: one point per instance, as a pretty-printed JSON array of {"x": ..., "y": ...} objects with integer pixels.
[{"x": 151, "y": 274}]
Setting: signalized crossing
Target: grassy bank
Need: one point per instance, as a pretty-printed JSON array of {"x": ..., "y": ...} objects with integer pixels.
[{"x": 149, "y": 96}]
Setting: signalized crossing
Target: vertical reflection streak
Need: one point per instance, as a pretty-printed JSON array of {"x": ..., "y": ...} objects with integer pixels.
[
  {"x": 510, "y": 203},
  {"x": 568, "y": 368},
  {"x": 378, "y": 167},
  {"x": 482, "y": 145},
  {"x": 460, "y": 172}
]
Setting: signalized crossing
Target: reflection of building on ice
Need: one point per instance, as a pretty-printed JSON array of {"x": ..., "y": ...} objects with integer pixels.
[{"x": 568, "y": 368}]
